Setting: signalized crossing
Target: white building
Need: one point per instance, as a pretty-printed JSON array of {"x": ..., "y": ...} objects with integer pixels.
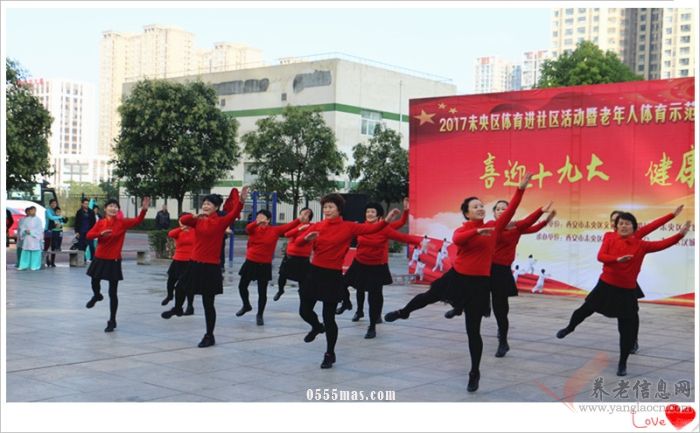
[
  {"x": 73, "y": 140},
  {"x": 532, "y": 67},
  {"x": 493, "y": 74},
  {"x": 353, "y": 95}
]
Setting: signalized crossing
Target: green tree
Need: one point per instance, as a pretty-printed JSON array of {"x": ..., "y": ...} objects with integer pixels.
[
  {"x": 294, "y": 155},
  {"x": 28, "y": 130},
  {"x": 587, "y": 64},
  {"x": 382, "y": 167},
  {"x": 173, "y": 139},
  {"x": 110, "y": 188}
]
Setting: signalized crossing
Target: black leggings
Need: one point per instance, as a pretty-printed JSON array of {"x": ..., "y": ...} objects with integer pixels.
[
  {"x": 245, "y": 295},
  {"x": 306, "y": 311},
  {"x": 113, "y": 299},
  {"x": 209, "y": 312},
  {"x": 500, "y": 310},
  {"x": 421, "y": 300},
  {"x": 376, "y": 303},
  {"x": 281, "y": 282},
  {"x": 626, "y": 326},
  {"x": 180, "y": 294}
]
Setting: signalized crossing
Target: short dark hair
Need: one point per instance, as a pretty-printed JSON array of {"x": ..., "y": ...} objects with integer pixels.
[
  {"x": 500, "y": 201},
  {"x": 376, "y": 206},
  {"x": 465, "y": 205},
  {"x": 627, "y": 217},
  {"x": 618, "y": 212},
  {"x": 334, "y": 198},
  {"x": 27, "y": 209},
  {"x": 113, "y": 201},
  {"x": 53, "y": 200},
  {"x": 265, "y": 212},
  {"x": 214, "y": 199},
  {"x": 311, "y": 213},
  {"x": 84, "y": 200}
]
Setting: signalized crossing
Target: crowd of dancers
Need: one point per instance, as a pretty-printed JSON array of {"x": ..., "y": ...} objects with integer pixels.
[{"x": 480, "y": 279}]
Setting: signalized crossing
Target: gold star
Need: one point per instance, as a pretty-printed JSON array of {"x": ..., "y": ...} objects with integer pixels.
[
  {"x": 442, "y": 106},
  {"x": 424, "y": 117},
  {"x": 453, "y": 110}
]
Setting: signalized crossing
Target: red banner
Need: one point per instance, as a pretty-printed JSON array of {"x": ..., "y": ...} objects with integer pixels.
[{"x": 593, "y": 149}]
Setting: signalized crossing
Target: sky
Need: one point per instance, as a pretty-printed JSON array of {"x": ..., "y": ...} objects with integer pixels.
[{"x": 64, "y": 42}]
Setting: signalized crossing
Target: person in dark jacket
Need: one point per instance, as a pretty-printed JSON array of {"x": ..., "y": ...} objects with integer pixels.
[
  {"x": 84, "y": 221},
  {"x": 163, "y": 218}
]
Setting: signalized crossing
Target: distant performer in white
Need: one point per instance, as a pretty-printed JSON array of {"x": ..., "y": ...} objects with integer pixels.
[
  {"x": 415, "y": 257},
  {"x": 539, "y": 285},
  {"x": 531, "y": 264},
  {"x": 420, "y": 268},
  {"x": 424, "y": 244},
  {"x": 517, "y": 272},
  {"x": 439, "y": 259}
]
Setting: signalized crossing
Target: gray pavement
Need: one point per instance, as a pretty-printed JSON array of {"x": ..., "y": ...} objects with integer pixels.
[{"x": 57, "y": 350}]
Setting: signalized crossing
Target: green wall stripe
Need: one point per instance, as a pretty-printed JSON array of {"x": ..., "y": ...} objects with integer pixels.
[
  {"x": 230, "y": 183},
  {"x": 342, "y": 108}
]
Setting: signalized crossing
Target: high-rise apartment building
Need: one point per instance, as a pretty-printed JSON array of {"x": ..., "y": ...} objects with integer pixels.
[
  {"x": 494, "y": 74},
  {"x": 653, "y": 42},
  {"x": 73, "y": 141},
  {"x": 531, "y": 66},
  {"x": 158, "y": 52}
]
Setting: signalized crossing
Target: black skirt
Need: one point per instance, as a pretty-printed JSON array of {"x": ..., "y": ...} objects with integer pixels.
[
  {"x": 177, "y": 268},
  {"x": 105, "y": 269},
  {"x": 294, "y": 268},
  {"x": 363, "y": 277},
  {"x": 471, "y": 293},
  {"x": 321, "y": 284},
  {"x": 254, "y": 271},
  {"x": 502, "y": 282},
  {"x": 638, "y": 292},
  {"x": 613, "y": 301},
  {"x": 202, "y": 279}
]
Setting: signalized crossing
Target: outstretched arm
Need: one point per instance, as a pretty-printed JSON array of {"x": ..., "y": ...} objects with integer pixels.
[
  {"x": 131, "y": 222},
  {"x": 540, "y": 225},
  {"x": 654, "y": 246},
  {"x": 655, "y": 224},
  {"x": 503, "y": 220},
  {"x": 404, "y": 217}
]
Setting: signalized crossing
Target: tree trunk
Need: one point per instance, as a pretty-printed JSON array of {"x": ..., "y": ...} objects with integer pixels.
[
  {"x": 295, "y": 207},
  {"x": 180, "y": 198}
]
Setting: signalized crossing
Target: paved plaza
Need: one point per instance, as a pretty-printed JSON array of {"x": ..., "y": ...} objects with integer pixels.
[{"x": 57, "y": 350}]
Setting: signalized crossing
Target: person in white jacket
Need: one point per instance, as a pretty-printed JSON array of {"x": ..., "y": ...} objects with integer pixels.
[{"x": 32, "y": 233}]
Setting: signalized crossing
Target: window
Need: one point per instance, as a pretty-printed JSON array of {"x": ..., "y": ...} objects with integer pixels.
[
  {"x": 569, "y": 21},
  {"x": 370, "y": 120},
  {"x": 569, "y": 11},
  {"x": 685, "y": 17},
  {"x": 684, "y": 62},
  {"x": 684, "y": 72},
  {"x": 667, "y": 63},
  {"x": 653, "y": 57},
  {"x": 653, "y": 67},
  {"x": 685, "y": 50},
  {"x": 555, "y": 33},
  {"x": 685, "y": 39},
  {"x": 581, "y": 30},
  {"x": 222, "y": 102},
  {"x": 556, "y": 13},
  {"x": 669, "y": 30},
  {"x": 569, "y": 32},
  {"x": 582, "y": 10},
  {"x": 642, "y": 47},
  {"x": 581, "y": 18},
  {"x": 595, "y": 29},
  {"x": 568, "y": 41},
  {"x": 640, "y": 68},
  {"x": 596, "y": 18},
  {"x": 641, "y": 58},
  {"x": 642, "y": 18},
  {"x": 685, "y": 28},
  {"x": 643, "y": 28},
  {"x": 642, "y": 38}
]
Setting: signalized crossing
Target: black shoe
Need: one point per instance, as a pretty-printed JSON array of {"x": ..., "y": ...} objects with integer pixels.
[
  {"x": 634, "y": 348},
  {"x": 563, "y": 332},
  {"x": 358, "y": 315},
  {"x": 93, "y": 300},
  {"x": 278, "y": 295},
  {"x": 346, "y": 305},
  {"x": 110, "y": 326},
  {"x": 53, "y": 265},
  {"x": 371, "y": 333},
  {"x": 259, "y": 320},
  {"x": 502, "y": 348},
  {"x": 622, "y": 370},
  {"x": 166, "y": 300},
  {"x": 188, "y": 311},
  {"x": 171, "y": 312},
  {"x": 311, "y": 336},
  {"x": 244, "y": 309},
  {"x": 393, "y": 315},
  {"x": 328, "y": 360},
  {"x": 207, "y": 341},
  {"x": 379, "y": 319},
  {"x": 473, "y": 384},
  {"x": 452, "y": 313}
]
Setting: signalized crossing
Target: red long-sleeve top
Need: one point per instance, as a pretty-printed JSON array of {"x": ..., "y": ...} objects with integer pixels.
[
  {"x": 475, "y": 252},
  {"x": 508, "y": 239},
  {"x": 624, "y": 274},
  {"x": 373, "y": 249},
  {"x": 211, "y": 230},
  {"x": 647, "y": 228},
  {"x": 333, "y": 241},
  {"x": 298, "y": 249},
  {"x": 184, "y": 243},
  {"x": 110, "y": 247},
  {"x": 262, "y": 240}
]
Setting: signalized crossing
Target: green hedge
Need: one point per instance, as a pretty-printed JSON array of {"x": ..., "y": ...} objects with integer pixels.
[{"x": 161, "y": 244}]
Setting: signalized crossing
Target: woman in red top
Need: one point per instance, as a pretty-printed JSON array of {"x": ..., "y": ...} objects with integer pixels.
[
  {"x": 260, "y": 250},
  {"x": 331, "y": 240},
  {"x": 502, "y": 282},
  {"x": 203, "y": 274},
  {"x": 184, "y": 241},
  {"x": 615, "y": 295},
  {"x": 295, "y": 263},
  {"x": 107, "y": 263},
  {"x": 466, "y": 285},
  {"x": 641, "y": 233},
  {"x": 369, "y": 271}
]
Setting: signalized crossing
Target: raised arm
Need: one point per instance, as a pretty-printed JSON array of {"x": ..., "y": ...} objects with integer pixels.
[
  {"x": 403, "y": 237},
  {"x": 175, "y": 233},
  {"x": 367, "y": 229},
  {"x": 131, "y": 222},
  {"x": 236, "y": 206},
  {"x": 404, "y": 217},
  {"x": 189, "y": 220},
  {"x": 529, "y": 220},
  {"x": 654, "y": 246},
  {"x": 284, "y": 228},
  {"x": 503, "y": 220},
  {"x": 540, "y": 225},
  {"x": 649, "y": 227}
]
